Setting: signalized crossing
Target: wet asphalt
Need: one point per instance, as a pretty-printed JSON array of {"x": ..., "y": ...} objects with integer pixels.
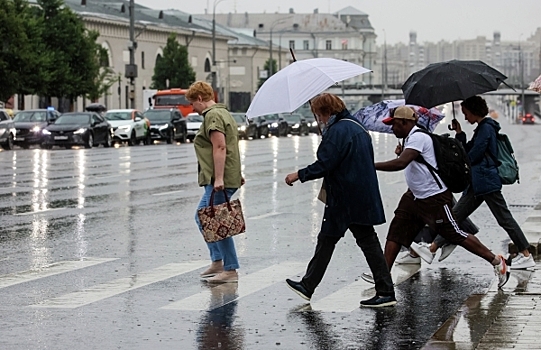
[{"x": 99, "y": 250}]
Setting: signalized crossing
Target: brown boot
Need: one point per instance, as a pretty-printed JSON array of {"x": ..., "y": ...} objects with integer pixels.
[
  {"x": 215, "y": 268},
  {"x": 230, "y": 276}
]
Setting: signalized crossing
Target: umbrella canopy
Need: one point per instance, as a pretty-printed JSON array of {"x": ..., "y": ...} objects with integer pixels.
[
  {"x": 371, "y": 117},
  {"x": 297, "y": 83},
  {"x": 449, "y": 81},
  {"x": 536, "y": 85}
]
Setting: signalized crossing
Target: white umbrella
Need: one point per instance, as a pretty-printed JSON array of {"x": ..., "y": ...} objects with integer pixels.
[
  {"x": 297, "y": 83},
  {"x": 536, "y": 85}
]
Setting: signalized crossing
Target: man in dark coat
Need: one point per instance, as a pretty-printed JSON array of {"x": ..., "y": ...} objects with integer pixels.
[{"x": 345, "y": 161}]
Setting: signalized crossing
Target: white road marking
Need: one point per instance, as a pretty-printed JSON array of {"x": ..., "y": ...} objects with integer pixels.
[
  {"x": 39, "y": 211},
  {"x": 49, "y": 270},
  {"x": 264, "y": 216},
  {"x": 106, "y": 177},
  {"x": 166, "y": 193},
  {"x": 220, "y": 295},
  {"x": 121, "y": 285},
  {"x": 348, "y": 298}
]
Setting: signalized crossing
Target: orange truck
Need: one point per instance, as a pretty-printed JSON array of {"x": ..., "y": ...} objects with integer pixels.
[{"x": 172, "y": 98}]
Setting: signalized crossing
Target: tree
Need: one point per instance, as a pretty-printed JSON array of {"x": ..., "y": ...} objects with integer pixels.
[
  {"x": 266, "y": 67},
  {"x": 21, "y": 50},
  {"x": 74, "y": 54},
  {"x": 104, "y": 80},
  {"x": 173, "y": 66}
]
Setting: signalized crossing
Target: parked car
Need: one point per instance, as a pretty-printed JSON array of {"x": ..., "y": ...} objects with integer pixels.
[
  {"x": 528, "y": 119},
  {"x": 312, "y": 124},
  {"x": 79, "y": 128},
  {"x": 193, "y": 123},
  {"x": 30, "y": 123},
  {"x": 7, "y": 130},
  {"x": 257, "y": 127},
  {"x": 167, "y": 125},
  {"x": 129, "y": 126},
  {"x": 277, "y": 125},
  {"x": 242, "y": 125},
  {"x": 296, "y": 124}
]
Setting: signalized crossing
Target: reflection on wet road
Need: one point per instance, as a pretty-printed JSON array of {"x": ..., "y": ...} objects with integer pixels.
[{"x": 103, "y": 242}]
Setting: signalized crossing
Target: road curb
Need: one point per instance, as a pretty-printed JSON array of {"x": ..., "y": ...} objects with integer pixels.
[{"x": 532, "y": 231}]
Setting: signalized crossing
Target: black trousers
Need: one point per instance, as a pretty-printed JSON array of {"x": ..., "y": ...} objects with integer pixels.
[{"x": 368, "y": 241}]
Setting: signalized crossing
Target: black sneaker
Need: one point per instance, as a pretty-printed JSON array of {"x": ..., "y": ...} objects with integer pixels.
[
  {"x": 379, "y": 301},
  {"x": 300, "y": 289}
]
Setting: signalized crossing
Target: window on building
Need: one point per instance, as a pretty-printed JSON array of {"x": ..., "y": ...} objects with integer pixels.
[
  {"x": 344, "y": 44},
  {"x": 328, "y": 45},
  {"x": 292, "y": 44},
  {"x": 142, "y": 59},
  {"x": 306, "y": 45}
]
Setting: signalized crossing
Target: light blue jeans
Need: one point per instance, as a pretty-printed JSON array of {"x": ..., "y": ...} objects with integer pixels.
[{"x": 224, "y": 249}]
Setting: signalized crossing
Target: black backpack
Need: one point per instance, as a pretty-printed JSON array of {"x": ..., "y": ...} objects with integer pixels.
[{"x": 453, "y": 163}]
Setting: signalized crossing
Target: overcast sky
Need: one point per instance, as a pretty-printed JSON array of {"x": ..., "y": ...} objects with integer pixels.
[{"x": 433, "y": 20}]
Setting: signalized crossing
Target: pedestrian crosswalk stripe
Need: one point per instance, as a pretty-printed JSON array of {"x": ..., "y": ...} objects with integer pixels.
[
  {"x": 38, "y": 211},
  {"x": 264, "y": 216},
  {"x": 122, "y": 285},
  {"x": 248, "y": 284},
  {"x": 347, "y": 299},
  {"x": 49, "y": 270}
]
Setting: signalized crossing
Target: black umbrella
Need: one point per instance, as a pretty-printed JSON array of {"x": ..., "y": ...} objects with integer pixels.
[
  {"x": 96, "y": 107},
  {"x": 450, "y": 81}
]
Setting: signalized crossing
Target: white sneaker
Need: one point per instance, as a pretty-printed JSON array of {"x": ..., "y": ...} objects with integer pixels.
[
  {"x": 502, "y": 272},
  {"x": 522, "y": 262},
  {"x": 407, "y": 259},
  {"x": 446, "y": 250},
  {"x": 366, "y": 276},
  {"x": 423, "y": 250}
]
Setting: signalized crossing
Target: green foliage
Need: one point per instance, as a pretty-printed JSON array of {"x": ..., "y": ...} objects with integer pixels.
[
  {"x": 20, "y": 49},
  {"x": 266, "y": 67},
  {"x": 46, "y": 50},
  {"x": 174, "y": 66},
  {"x": 74, "y": 63}
]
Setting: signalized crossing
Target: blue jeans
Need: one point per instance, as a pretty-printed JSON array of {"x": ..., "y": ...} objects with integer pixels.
[{"x": 224, "y": 249}]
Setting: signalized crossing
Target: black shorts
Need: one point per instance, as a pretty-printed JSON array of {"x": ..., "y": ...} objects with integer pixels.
[{"x": 413, "y": 214}]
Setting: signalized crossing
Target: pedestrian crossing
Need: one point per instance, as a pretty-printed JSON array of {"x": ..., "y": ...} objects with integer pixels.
[
  {"x": 49, "y": 270},
  {"x": 210, "y": 297}
]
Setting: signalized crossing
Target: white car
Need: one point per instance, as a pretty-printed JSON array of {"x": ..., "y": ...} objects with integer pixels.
[
  {"x": 193, "y": 123},
  {"x": 129, "y": 125}
]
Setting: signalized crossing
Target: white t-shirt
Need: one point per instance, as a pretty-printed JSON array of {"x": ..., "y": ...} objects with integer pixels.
[{"x": 419, "y": 179}]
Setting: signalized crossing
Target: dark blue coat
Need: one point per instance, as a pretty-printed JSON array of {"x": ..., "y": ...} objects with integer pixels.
[
  {"x": 485, "y": 178},
  {"x": 345, "y": 160}
]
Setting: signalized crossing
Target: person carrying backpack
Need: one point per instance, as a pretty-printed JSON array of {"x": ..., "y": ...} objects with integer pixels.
[
  {"x": 486, "y": 183},
  {"x": 427, "y": 201}
]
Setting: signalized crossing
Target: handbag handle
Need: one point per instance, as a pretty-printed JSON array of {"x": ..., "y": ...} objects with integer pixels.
[{"x": 226, "y": 200}]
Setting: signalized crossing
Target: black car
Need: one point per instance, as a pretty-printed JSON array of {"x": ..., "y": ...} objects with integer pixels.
[
  {"x": 30, "y": 123},
  {"x": 167, "y": 124},
  {"x": 7, "y": 131},
  {"x": 277, "y": 125},
  {"x": 257, "y": 127},
  {"x": 296, "y": 124},
  {"x": 78, "y": 128},
  {"x": 242, "y": 125},
  {"x": 312, "y": 124}
]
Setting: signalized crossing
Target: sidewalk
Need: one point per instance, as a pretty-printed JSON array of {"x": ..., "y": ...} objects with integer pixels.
[{"x": 498, "y": 320}]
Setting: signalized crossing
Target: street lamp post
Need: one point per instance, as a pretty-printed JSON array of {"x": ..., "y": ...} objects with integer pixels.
[
  {"x": 213, "y": 68},
  {"x": 272, "y": 25}
]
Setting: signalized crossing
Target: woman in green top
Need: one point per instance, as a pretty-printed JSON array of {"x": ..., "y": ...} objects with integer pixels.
[{"x": 218, "y": 158}]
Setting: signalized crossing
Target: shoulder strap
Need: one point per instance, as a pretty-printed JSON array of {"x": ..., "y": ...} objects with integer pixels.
[
  {"x": 356, "y": 122},
  {"x": 420, "y": 159}
]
